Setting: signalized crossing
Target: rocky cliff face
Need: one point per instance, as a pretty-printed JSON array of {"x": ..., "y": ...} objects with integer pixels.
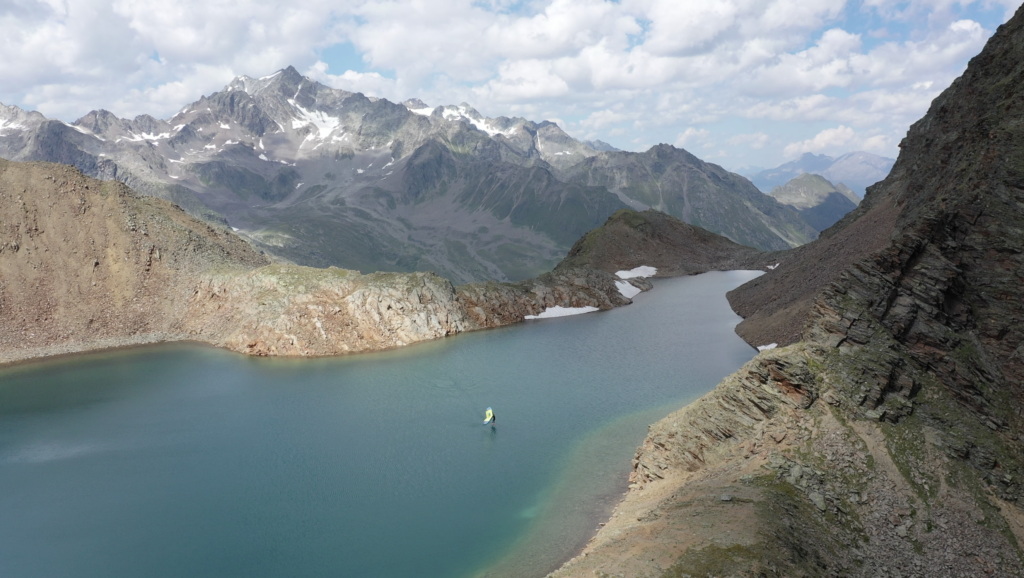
[{"x": 887, "y": 441}]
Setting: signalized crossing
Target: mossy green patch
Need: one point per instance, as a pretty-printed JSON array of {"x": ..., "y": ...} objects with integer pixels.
[{"x": 908, "y": 449}]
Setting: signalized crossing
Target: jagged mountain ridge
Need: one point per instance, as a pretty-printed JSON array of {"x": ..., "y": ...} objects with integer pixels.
[{"x": 323, "y": 176}]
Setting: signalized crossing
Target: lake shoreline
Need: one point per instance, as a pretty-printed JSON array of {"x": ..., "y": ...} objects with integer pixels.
[{"x": 610, "y": 500}]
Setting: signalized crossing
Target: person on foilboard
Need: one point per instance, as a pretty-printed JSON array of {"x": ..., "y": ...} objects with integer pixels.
[{"x": 489, "y": 417}]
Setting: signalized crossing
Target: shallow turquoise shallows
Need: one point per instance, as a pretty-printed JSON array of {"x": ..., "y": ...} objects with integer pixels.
[{"x": 185, "y": 461}]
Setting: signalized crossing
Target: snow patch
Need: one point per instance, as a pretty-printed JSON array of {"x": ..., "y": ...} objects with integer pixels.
[
  {"x": 267, "y": 77},
  {"x": 360, "y": 171},
  {"x": 297, "y": 186},
  {"x": 422, "y": 111},
  {"x": 627, "y": 289},
  {"x": 557, "y": 311},
  {"x": 641, "y": 271},
  {"x": 78, "y": 128},
  {"x": 179, "y": 127},
  {"x": 210, "y": 146},
  {"x": 261, "y": 145},
  {"x": 767, "y": 347},
  {"x": 771, "y": 267},
  {"x": 225, "y": 126},
  {"x": 10, "y": 124},
  {"x": 263, "y": 157},
  {"x": 325, "y": 123},
  {"x": 143, "y": 136}
]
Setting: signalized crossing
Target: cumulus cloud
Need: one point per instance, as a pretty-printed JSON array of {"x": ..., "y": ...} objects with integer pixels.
[
  {"x": 368, "y": 83},
  {"x": 755, "y": 140},
  {"x": 838, "y": 140},
  {"x": 629, "y": 71},
  {"x": 829, "y": 138},
  {"x": 693, "y": 135}
]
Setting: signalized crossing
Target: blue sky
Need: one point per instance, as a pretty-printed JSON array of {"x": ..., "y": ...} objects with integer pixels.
[{"x": 737, "y": 82}]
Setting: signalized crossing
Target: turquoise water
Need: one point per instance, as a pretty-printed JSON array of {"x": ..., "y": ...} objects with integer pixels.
[{"x": 182, "y": 460}]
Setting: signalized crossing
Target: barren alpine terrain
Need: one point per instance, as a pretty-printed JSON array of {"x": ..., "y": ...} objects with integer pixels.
[{"x": 885, "y": 437}]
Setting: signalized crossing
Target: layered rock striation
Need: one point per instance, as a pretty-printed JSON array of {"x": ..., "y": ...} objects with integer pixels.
[{"x": 887, "y": 440}]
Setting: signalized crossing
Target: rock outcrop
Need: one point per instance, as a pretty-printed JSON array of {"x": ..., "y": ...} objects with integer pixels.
[{"x": 888, "y": 440}]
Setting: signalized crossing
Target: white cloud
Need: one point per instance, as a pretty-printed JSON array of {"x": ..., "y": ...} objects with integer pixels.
[
  {"x": 629, "y": 71},
  {"x": 692, "y": 135},
  {"x": 829, "y": 139},
  {"x": 368, "y": 83},
  {"x": 755, "y": 140}
]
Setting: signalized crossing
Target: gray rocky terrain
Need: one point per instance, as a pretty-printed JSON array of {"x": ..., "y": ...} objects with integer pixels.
[
  {"x": 326, "y": 177},
  {"x": 885, "y": 435}
]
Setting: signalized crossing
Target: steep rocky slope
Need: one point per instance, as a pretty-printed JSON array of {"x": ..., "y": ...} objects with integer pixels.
[
  {"x": 325, "y": 177},
  {"x": 674, "y": 181},
  {"x": 818, "y": 201},
  {"x": 888, "y": 440}
]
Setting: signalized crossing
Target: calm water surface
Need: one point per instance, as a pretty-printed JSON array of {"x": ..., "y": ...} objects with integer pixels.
[{"x": 190, "y": 461}]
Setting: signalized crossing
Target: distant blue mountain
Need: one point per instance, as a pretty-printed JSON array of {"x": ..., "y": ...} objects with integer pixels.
[{"x": 856, "y": 170}]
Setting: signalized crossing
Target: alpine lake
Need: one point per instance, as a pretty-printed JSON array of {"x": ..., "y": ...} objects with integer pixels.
[{"x": 182, "y": 460}]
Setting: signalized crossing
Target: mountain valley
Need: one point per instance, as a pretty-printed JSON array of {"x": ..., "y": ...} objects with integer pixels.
[{"x": 324, "y": 177}]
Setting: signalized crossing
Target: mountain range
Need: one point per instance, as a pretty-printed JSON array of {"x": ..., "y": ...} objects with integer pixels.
[
  {"x": 856, "y": 170},
  {"x": 325, "y": 177}
]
